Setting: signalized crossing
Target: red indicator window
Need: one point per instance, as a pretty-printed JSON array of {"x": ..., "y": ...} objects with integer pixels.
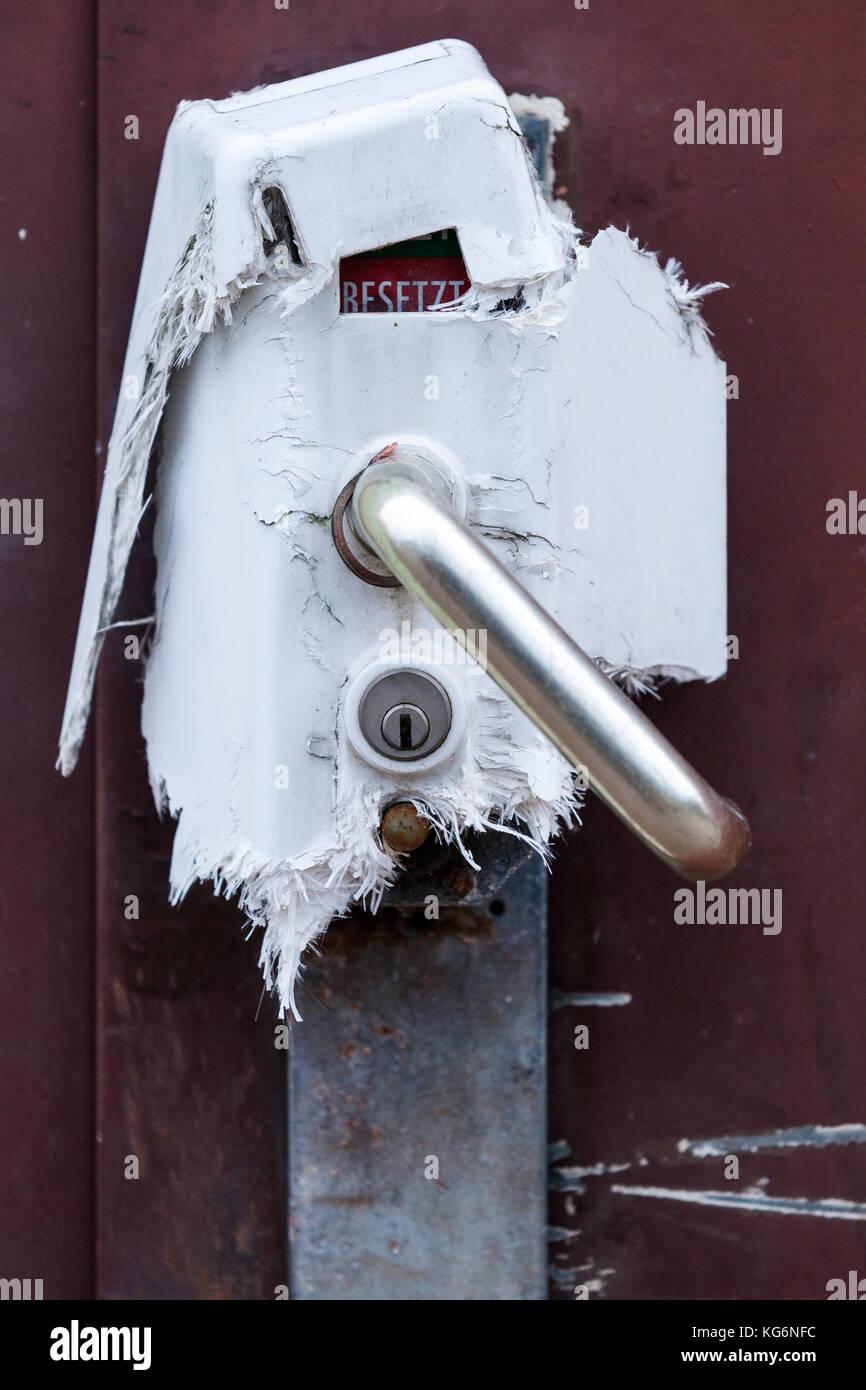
[{"x": 407, "y": 278}]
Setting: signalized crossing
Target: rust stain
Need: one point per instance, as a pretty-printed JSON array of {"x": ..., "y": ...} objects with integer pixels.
[
  {"x": 394, "y": 926},
  {"x": 403, "y": 829}
]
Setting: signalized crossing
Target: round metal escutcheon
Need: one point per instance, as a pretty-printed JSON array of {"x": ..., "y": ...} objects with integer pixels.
[{"x": 405, "y": 715}]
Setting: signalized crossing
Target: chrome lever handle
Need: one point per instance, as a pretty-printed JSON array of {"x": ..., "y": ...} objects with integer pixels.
[{"x": 418, "y": 535}]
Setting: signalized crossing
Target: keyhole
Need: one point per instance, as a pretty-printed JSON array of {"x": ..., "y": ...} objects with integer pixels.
[
  {"x": 405, "y": 727},
  {"x": 404, "y": 714}
]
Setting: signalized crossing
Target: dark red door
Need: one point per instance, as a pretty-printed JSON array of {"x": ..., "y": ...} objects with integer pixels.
[{"x": 140, "y": 1037}]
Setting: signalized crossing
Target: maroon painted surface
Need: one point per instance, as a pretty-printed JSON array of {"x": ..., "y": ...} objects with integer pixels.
[
  {"x": 732, "y": 1032},
  {"x": 46, "y": 825},
  {"x": 729, "y": 1031},
  {"x": 190, "y": 1082}
]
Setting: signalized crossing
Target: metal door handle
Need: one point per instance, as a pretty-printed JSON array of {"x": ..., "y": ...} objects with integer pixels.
[{"x": 405, "y": 518}]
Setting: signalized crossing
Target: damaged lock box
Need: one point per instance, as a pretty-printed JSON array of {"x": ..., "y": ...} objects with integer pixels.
[{"x": 568, "y": 395}]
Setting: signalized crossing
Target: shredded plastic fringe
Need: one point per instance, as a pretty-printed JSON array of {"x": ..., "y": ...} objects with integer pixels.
[{"x": 293, "y": 901}]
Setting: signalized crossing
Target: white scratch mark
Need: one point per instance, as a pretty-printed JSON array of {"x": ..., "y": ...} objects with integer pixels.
[
  {"x": 804, "y": 1136},
  {"x": 571, "y": 1179},
  {"x": 130, "y": 622},
  {"x": 833, "y": 1208},
  {"x": 555, "y": 1234},
  {"x": 561, "y": 1000},
  {"x": 573, "y": 1276}
]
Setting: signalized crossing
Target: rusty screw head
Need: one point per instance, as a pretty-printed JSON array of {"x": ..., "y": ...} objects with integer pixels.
[
  {"x": 459, "y": 881},
  {"x": 403, "y": 829}
]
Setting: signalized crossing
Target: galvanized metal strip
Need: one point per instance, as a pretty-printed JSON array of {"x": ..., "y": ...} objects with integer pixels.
[{"x": 417, "y": 1106}]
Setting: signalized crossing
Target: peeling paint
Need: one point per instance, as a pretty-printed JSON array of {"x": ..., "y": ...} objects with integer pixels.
[
  {"x": 551, "y": 112},
  {"x": 560, "y": 1148}
]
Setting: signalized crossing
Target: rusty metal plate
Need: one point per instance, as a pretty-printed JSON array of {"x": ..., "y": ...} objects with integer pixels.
[{"x": 417, "y": 1106}]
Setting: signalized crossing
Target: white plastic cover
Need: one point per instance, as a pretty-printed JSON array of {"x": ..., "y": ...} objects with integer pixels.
[{"x": 574, "y": 389}]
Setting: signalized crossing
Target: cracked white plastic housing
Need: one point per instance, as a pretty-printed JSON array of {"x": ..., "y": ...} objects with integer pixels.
[{"x": 590, "y": 422}]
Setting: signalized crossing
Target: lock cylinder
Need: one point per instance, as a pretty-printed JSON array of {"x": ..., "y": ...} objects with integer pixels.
[
  {"x": 405, "y": 718},
  {"x": 405, "y": 714}
]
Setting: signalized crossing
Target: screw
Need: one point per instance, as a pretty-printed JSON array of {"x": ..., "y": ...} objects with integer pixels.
[
  {"x": 403, "y": 829},
  {"x": 405, "y": 727},
  {"x": 459, "y": 881}
]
